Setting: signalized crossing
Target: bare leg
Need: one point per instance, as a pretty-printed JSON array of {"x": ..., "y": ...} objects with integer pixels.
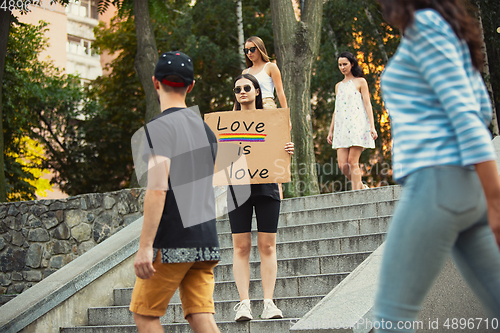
[
  {"x": 148, "y": 324},
  {"x": 353, "y": 160},
  {"x": 266, "y": 243},
  {"x": 202, "y": 323},
  {"x": 242, "y": 244},
  {"x": 342, "y": 157}
]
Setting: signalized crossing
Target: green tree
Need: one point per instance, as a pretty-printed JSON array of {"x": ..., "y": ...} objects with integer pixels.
[
  {"x": 116, "y": 106},
  {"x": 145, "y": 55},
  {"x": 118, "y": 110},
  {"x": 146, "y": 52},
  {"x": 33, "y": 91},
  {"x": 6, "y": 19},
  {"x": 489, "y": 14},
  {"x": 4, "y": 38},
  {"x": 297, "y": 44},
  {"x": 99, "y": 139}
]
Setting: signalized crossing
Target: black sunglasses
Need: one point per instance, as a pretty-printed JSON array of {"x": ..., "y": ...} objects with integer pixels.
[
  {"x": 247, "y": 88},
  {"x": 252, "y": 49}
]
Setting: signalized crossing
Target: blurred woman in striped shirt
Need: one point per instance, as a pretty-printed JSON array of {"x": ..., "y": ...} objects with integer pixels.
[{"x": 443, "y": 155}]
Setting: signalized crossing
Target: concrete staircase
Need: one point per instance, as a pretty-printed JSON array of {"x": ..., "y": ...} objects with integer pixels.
[{"x": 321, "y": 239}]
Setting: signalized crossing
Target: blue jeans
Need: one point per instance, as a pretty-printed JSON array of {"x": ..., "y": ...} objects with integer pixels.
[{"x": 442, "y": 211}]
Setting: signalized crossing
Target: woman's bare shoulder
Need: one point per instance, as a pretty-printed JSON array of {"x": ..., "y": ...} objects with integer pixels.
[
  {"x": 337, "y": 86},
  {"x": 360, "y": 83},
  {"x": 360, "y": 80},
  {"x": 272, "y": 67}
]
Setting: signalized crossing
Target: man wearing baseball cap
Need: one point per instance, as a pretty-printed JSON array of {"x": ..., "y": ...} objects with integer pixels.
[{"x": 178, "y": 247}]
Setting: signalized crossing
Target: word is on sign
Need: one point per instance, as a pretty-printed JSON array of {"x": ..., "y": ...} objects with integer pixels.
[{"x": 251, "y": 146}]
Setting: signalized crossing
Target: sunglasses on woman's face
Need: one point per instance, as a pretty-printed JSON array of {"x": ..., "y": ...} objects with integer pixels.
[
  {"x": 247, "y": 88},
  {"x": 252, "y": 49}
]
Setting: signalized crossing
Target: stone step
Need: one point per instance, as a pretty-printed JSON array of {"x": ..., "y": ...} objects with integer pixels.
[
  {"x": 253, "y": 326},
  {"x": 319, "y": 230},
  {"x": 292, "y": 307},
  {"x": 328, "y": 214},
  {"x": 320, "y": 240},
  {"x": 304, "y": 285},
  {"x": 296, "y": 249},
  {"x": 320, "y": 264},
  {"x": 286, "y": 268},
  {"x": 341, "y": 198}
]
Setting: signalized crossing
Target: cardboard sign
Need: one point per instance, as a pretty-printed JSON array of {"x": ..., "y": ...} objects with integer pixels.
[{"x": 251, "y": 147}]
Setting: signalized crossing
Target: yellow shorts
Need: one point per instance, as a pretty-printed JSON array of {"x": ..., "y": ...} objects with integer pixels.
[
  {"x": 195, "y": 281},
  {"x": 268, "y": 103}
]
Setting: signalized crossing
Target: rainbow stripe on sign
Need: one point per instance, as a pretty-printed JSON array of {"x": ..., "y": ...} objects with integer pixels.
[{"x": 242, "y": 137}]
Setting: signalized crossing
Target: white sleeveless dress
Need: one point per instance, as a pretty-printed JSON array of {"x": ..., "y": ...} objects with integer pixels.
[{"x": 352, "y": 126}]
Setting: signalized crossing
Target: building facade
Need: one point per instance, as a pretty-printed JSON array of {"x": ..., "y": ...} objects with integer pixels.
[{"x": 70, "y": 35}]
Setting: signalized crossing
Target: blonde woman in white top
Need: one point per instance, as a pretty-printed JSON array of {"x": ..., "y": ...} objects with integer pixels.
[{"x": 266, "y": 72}]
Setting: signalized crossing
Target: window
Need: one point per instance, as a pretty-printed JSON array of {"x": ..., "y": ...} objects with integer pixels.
[
  {"x": 83, "y": 8},
  {"x": 77, "y": 45}
]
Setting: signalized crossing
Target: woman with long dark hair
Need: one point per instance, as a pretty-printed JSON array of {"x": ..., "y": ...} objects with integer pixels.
[
  {"x": 443, "y": 155},
  {"x": 353, "y": 127},
  {"x": 266, "y": 201}
]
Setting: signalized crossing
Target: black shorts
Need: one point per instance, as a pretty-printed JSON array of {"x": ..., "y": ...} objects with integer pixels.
[{"x": 267, "y": 211}]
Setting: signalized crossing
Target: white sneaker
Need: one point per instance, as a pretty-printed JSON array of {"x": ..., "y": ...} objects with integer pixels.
[
  {"x": 243, "y": 312},
  {"x": 365, "y": 186},
  {"x": 271, "y": 311}
]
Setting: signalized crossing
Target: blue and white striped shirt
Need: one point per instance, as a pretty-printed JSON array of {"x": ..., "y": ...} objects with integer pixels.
[{"x": 438, "y": 103}]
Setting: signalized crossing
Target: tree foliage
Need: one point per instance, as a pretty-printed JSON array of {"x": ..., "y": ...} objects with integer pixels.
[
  {"x": 115, "y": 106},
  {"x": 34, "y": 92},
  {"x": 297, "y": 45},
  {"x": 489, "y": 11},
  {"x": 6, "y": 18},
  {"x": 86, "y": 131}
]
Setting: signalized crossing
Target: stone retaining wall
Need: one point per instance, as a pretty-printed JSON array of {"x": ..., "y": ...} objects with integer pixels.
[{"x": 39, "y": 237}]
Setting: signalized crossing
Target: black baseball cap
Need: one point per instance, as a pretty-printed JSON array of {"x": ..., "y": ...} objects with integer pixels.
[{"x": 175, "y": 63}]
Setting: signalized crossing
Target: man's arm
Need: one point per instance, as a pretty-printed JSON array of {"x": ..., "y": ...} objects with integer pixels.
[{"x": 154, "y": 201}]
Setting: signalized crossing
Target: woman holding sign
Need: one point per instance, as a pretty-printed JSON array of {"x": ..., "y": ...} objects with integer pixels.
[
  {"x": 266, "y": 200},
  {"x": 353, "y": 119},
  {"x": 267, "y": 73}
]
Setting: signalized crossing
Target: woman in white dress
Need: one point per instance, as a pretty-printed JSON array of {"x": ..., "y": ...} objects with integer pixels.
[{"x": 353, "y": 127}]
